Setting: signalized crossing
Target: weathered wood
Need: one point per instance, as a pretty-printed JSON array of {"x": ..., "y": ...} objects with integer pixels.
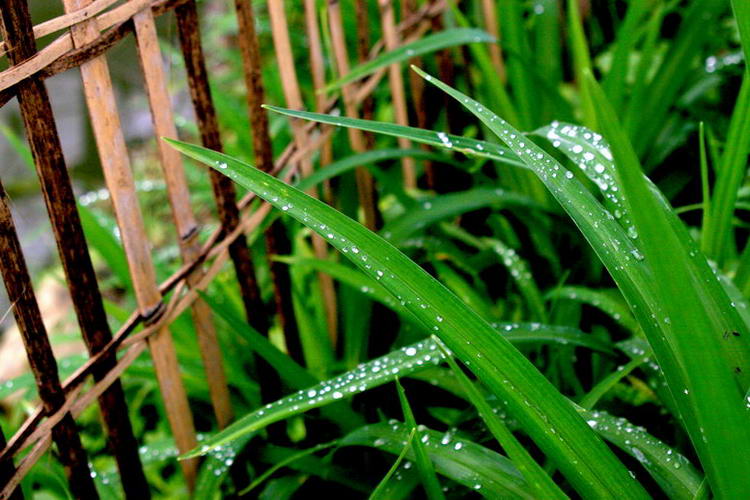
[
  {"x": 293, "y": 96},
  {"x": 182, "y": 213},
  {"x": 119, "y": 179},
  {"x": 35, "y": 431},
  {"x": 61, "y": 22},
  {"x": 277, "y": 241},
  {"x": 396, "y": 83},
  {"x": 39, "y": 352},
  {"x": 223, "y": 187},
  {"x": 71, "y": 244},
  {"x": 119, "y": 24},
  {"x": 365, "y": 183}
]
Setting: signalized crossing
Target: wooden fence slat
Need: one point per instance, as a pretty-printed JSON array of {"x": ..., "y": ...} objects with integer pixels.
[
  {"x": 71, "y": 244},
  {"x": 39, "y": 352},
  {"x": 119, "y": 179},
  {"x": 179, "y": 199},
  {"x": 277, "y": 241},
  {"x": 365, "y": 183},
  {"x": 293, "y": 96},
  {"x": 396, "y": 82},
  {"x": 89, "y": 44},
  {"x": 223, "y": 187}
]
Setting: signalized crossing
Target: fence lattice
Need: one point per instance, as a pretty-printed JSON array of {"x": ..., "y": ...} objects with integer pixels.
[{"x": 83, "y": 36}]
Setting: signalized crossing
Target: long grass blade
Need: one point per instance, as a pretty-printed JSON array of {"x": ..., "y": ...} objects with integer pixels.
[
  {"x": 424, "y": 464},
  {"x": 548, "y": 417},
  {"x": 426, "y": 45}
]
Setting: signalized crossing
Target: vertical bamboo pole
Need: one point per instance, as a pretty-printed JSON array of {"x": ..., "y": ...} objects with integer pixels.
[
  {"x": 417, "y": 87},
  {"x": 396, "y": 82},
  {"x": 293, "y": 96},
  {"x": 363, "y": 53},
  {"x": 118, "y": 176},
  {"x": 224, "y": 192},
  {"x": 365, "y": 183},
  {"x": 41, "y": 359},
  {"x": 317, "y": 66},
  {"x": 489, "y": 11},
  {"x": 179, "y": 200},
  {"x": 71, "y": 243},
  {"x": 7, "y": 470},
  {"x": 277, "y": 242}
]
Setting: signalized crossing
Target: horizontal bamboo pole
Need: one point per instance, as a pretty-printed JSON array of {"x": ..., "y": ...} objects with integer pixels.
[{"x": 65, "y": 21}]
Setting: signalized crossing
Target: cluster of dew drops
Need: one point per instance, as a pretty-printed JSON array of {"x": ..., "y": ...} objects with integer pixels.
[
  {"x": 641, "y": 445},
  {"x": 395, "y": 439},
  {"x": 366, "y": 376},
  {"x": 547, "y": 168},
  {"x": 594, "y": 159}
]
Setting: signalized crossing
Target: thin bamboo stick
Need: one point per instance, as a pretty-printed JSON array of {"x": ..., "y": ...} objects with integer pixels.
[
  {"x": 179, "y": 199},
  {"x": 293, "y": 96},
  {"x": 365, "y": 183},
  {"x": 489, "y": 11},
  {"x": 223, "y": 188},
  {"x": 277, "y": 241},
  {"x": 39, "y": 352},
  {"x": 417, "y": 87},
  {"x": 71, "y": 244},
  {"x": 396, "y": 82},
  {"x": 367, "y": 107},
  {"x": 317, "y": 66},
  {"x": 119, "y": 179}
]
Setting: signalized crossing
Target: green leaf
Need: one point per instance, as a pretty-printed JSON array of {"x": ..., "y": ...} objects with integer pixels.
[
  {"x": 424, "y": 465},
  {"x": 741, "y": 10},
  {"x": 599, "y": 299},
  {"x": 367, "y": 158},
  {"x": 538, "y": 480},
  {"x": 380, "y": 492},
  {"x": 711, "y": 401},
  {"x": 674, "y": 473},
  {"x": 465, "y": 145},
  {"x": 433, "y": 209},
  {"x": 548, "y": 417},
  {"x": 730, "y": 176},
  {"x": 461, "y": 460},
  {"x": 425, "y": 45}
]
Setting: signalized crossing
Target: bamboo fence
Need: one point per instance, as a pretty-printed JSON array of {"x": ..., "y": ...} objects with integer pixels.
[{"x": 83, "y": 37}]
